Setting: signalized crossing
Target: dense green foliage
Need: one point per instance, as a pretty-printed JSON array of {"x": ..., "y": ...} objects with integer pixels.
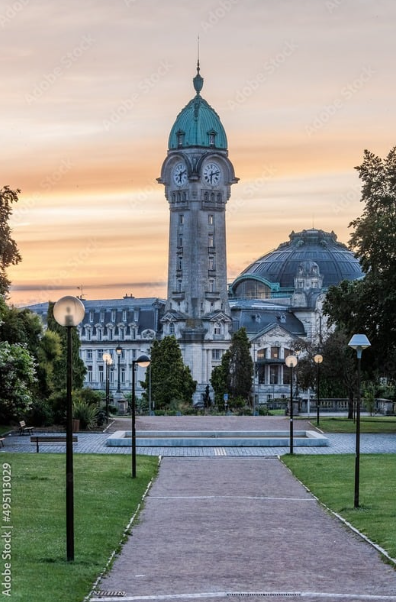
[
  {"x": 369, "y": 306},
  {"x": 40, "y": 572},
  {"x": 17, "y": 380},
  {"x": 9, "y": 254},
  {"x": 171, "y": 380},
  {"x": 28, "y": 384},
  {"x": 331, "y": 479},
  {"x": 234, "y": 375}
]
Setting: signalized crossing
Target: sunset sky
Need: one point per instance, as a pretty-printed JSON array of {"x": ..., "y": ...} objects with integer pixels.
[{"x": 91, "y": 88}]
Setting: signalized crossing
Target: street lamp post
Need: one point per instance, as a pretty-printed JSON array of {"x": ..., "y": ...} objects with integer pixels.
[
  {"x": 358, "y": 342},
  {"x": 143, "y": 361},
  {"x": 291, "y": 362},
  {"x": 119, "y": 353},
  {"x": 318, "y": 359},
  {"x": 108, "y": 361},
  {"x": 69, "y": 312}
]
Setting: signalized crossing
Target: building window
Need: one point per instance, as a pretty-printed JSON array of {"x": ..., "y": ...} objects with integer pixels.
[
  {"x": 179, "y": 263},
  {"x": 180, "y": 241},
  {"x": 124, "y": 315},
  {"x": 133, "y": 332},
  {"x": 91, "y": 316},
  {"x": 274, "y": 372},
  {"x": 212, "y": 286},
  {"x": 121, "y": 333},
  {"x": 100, "y": 354},
  {"x": 88, "y": 333},
  {"x": 210, "y": 240},
  {"x": 275, "y": 353},
  {"x": 123, "y": 375},
  {"x": 98, "y": 334},
  {"x": 89, "y": 374},
  {"x": 181, "y": 219},
  {"x": 216, "y": 354},
  {"x": 210, "y": 220},
  {"x": 111, "y": 375},
  {"x": 89, "y": 354},
  {"x": 102, "y": 316},
  {"x": 179, "y": 286},
  {"x": 212, "y": 263},
  {"x": 113, "y": 315},
  {"x": 101, "y": 374},
  {"x": 217, "y": 328},
  {"x": 206, "y": 196},
  {"x": 109, "y": 334},
  {"x": 171, "y": 328}
]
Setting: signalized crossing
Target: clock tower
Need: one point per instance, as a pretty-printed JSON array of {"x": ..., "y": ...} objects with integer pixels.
[{"x": 197, "y": 175}]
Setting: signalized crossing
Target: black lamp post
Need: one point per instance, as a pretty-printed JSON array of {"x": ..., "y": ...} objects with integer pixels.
[
  {"x": 291, "y": 362},
  {"x": 358, "y": 342},
  {"x": 108, "y": 361},
  {"x": 318, "y": 359},
  {"x": 69, "y": 312},
  {"x": 119, "y": 353},
  {"x": 143, "y": 361}
]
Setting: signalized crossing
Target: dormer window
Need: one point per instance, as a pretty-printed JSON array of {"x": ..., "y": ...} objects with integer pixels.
[
  {"x": 212, "y": 138},
  {"x": 180, "y": 138}
]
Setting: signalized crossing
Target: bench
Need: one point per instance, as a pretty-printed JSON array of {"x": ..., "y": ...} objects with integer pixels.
[
  {"x": 25, "y": 430},
  {"x": 50, "y": 439}
]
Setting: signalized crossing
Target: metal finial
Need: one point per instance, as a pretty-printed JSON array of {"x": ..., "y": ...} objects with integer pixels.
[{"x": 198, "y": 80}]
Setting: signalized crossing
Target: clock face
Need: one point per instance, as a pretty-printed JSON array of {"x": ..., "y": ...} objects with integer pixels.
[
  {"x": 211, "y": 174},
  {"x": 180, "y": 174}
]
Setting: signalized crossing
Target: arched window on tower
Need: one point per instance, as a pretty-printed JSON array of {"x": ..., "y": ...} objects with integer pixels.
[{"x": 206, "y": 196}]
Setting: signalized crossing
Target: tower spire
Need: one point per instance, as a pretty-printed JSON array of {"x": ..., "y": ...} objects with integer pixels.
[{"x": 198, "y": 80}]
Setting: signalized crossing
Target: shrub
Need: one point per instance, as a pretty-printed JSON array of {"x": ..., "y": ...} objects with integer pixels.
[
  {"x": 85, "y": 413},
  {"x": 40, "y": 414}
]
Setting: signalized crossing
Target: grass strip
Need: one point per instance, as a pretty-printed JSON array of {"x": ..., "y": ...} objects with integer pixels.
[
  {"x": 105, "y": 499},
  {"x": 368, "y": 424},
  {"x": 331, "y": 479}
]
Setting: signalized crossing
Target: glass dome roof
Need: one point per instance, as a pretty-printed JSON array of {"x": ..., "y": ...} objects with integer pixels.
[{"x": 336, "y": 262}]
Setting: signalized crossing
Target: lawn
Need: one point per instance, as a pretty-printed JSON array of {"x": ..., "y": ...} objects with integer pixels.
[
  {"x": 331, "y": 479},
  {"x": 368, "y": 424},
  {"x": 105, "y": 499}
]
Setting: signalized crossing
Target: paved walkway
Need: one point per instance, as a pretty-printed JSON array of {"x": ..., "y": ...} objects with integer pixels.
[
  {"x": 95, "y": 443},
  {"x": 237, "y": 528}
]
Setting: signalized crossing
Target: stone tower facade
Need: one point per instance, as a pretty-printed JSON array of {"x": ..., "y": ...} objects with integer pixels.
[{"x": 197, "y": 175}]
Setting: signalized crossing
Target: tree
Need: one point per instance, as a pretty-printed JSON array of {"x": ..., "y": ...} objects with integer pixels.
[
  {"x": 17, "y": 378},
  {"x": 171, "y": 380},
  {"x": 369, "y": 305},
  {"x": 235, "y": 373},
  {"x": 9, "y": 254},
  {"x": 23, "y": 327}
]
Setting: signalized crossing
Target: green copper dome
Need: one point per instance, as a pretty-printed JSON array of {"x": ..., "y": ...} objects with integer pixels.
[{"x": 197, "y": 124}]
